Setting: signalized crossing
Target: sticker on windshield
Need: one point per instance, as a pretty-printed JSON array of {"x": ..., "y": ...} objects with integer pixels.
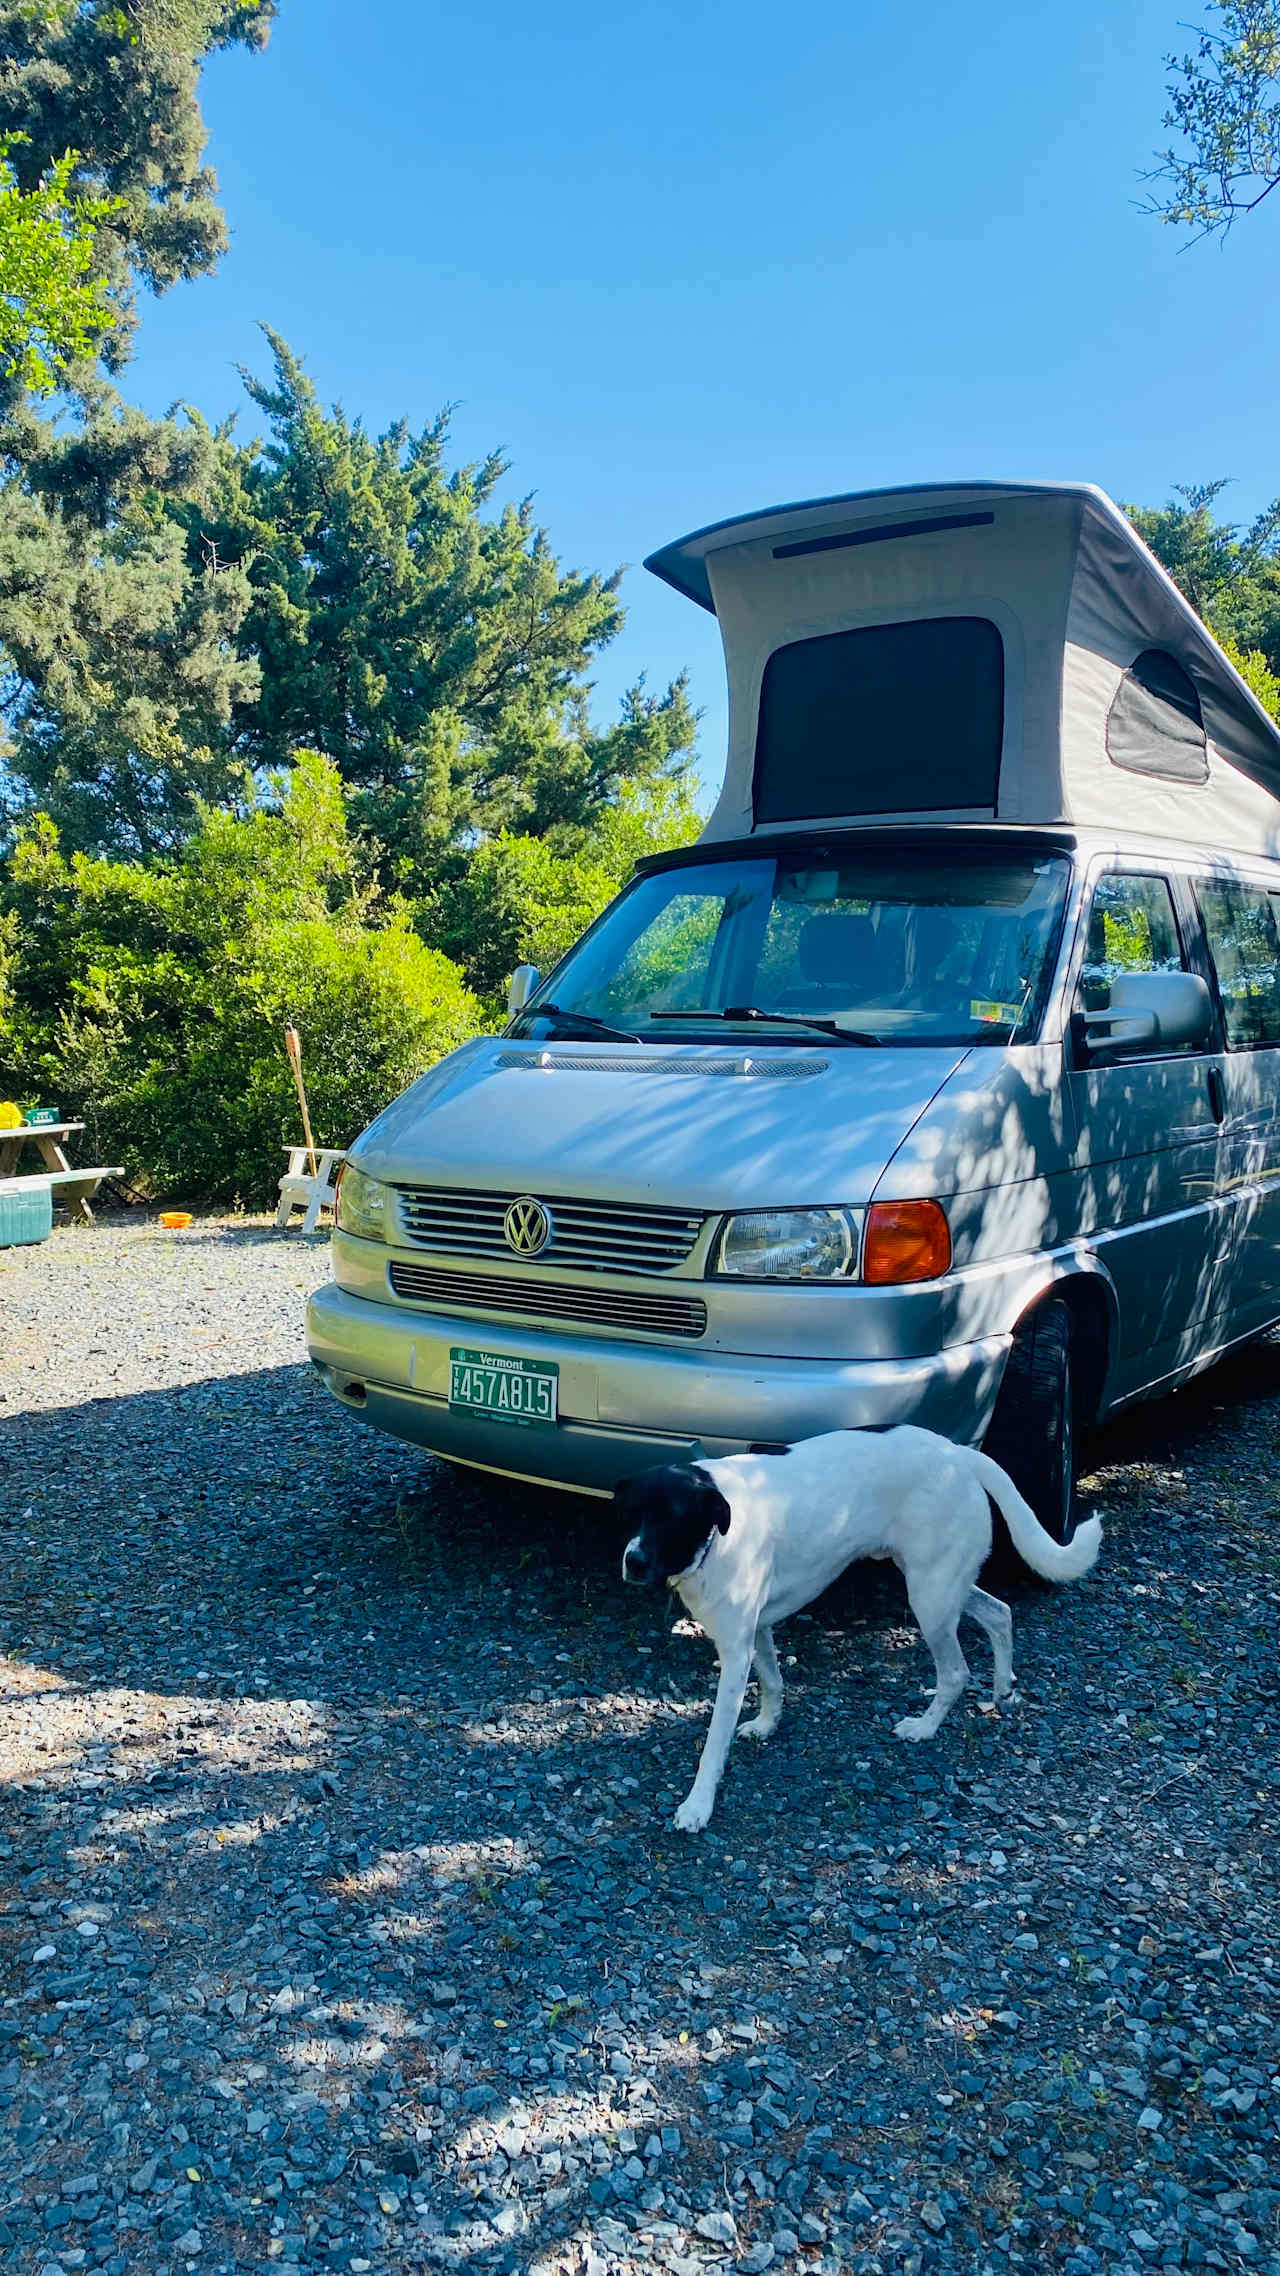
[{"x": 1003, "y": 1015}]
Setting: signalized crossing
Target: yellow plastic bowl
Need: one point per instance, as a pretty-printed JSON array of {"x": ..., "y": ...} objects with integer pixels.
[{"x": 175, "y": 1219}]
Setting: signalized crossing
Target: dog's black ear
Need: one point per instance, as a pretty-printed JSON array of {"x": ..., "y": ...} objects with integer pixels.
[
  {"x": 636, "y": 1492},
  {"x": 717, "y": 1507}
]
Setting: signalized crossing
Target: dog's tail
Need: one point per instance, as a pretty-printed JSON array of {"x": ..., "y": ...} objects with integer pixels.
[{"x": 1049, "y": 1558}]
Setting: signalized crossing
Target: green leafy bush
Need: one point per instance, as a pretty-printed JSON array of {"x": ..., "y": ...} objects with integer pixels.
[
  {"x": 517, "y": 902},
  {"x": 525, "y": 900},
  {"x": 153, "y": 999},
  {"x": 1256, "y": 673}
]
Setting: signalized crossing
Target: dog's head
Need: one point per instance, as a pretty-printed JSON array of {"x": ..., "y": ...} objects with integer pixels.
[{"x": 672, "y": 1514}]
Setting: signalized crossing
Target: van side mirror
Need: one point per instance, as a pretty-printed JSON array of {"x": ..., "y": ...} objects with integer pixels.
[
  {"x": 1150, "y": 1011},
  {"x": 524, "y": 980}
]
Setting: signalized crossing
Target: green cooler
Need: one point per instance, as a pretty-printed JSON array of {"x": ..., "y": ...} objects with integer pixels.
[{"x": 26, "y": 1211}]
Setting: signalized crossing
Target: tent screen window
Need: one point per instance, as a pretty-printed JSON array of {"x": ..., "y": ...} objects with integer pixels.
[{"x": 891, "y": 719}]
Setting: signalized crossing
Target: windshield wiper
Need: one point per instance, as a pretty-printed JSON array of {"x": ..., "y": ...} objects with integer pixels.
[
  {"x": 748, "y": 1012},
  {"x": 581, "y": 1019}
]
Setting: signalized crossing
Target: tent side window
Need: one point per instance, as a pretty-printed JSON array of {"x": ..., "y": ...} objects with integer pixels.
[
  {"x": 1155, "y": 724},
  {"x": 888, "y": 719}
]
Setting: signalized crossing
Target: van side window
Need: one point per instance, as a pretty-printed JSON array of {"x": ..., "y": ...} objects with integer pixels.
[
  {"x": 1132, "y": 928},
  {"x": 1244, "y": 941}
]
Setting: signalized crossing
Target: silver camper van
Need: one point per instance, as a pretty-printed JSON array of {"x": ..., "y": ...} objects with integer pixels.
[{"x": 939, "y": 1081}]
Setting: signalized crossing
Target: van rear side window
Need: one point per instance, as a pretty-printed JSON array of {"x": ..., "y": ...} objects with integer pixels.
[
  {"x": 893, "y": 718},
  {"x": 1240, "y": 922}
]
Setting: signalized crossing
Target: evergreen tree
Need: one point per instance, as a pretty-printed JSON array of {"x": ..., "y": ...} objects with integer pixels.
[
  {"x": 121, "y": 665},
  {"x": 114, "y": 82},
  {"x": 118, "y": 651},
  {"x": 180, "y": 614},
  {"x": 435, "y": 652}
]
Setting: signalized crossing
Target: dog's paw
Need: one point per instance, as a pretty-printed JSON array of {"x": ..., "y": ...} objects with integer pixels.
[
  {"x": 914, "y": 1727},
  {"x": 758, "y": 1728},
  {"x": 692, "y": 1816}
]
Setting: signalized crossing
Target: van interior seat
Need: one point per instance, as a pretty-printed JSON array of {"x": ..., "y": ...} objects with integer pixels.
[
  {"x": 931, "y": 955},
  {"x": 838, "y": 951}
]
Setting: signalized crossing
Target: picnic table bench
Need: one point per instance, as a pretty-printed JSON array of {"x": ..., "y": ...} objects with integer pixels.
[{"x": 73, "y": 1189}]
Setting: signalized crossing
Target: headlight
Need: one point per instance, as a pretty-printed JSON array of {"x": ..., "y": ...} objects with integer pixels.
[
  {"x": 364, "y": 1204},
  {"x": 790, "y": 1244}
]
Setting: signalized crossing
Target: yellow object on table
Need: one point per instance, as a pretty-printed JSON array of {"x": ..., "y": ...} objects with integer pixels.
[{"x": 11, "y": 1116}]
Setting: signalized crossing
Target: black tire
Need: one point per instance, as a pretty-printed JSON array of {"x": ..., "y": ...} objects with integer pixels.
[{"x": 1032, "y": 1433}]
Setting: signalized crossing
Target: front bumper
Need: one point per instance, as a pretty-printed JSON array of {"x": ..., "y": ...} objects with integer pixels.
[{"x": 625, "y": 1405}]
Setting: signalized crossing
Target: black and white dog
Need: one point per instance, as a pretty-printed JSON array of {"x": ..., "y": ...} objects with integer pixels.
[{"x": 746, "y": 1540}]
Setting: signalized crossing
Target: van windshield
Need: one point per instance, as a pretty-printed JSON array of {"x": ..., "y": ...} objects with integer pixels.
[{"x": 903, "y": 948}]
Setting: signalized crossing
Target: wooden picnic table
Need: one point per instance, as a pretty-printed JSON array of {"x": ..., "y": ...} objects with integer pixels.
[
  {"x": 73, "y": 1188},
  {"x": 44, "y": 1135}
]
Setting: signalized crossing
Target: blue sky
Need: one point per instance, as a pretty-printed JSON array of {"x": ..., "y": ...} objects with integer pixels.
[{"x": 683, "y": 260}]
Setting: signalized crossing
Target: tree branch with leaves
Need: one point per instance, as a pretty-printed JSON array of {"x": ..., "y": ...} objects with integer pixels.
[
  {"x": 54, "y": 307},
  {"x": 1224, "y": 104}
]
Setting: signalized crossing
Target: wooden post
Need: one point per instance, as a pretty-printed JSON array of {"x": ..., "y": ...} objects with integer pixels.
[{"x": 293, "y": 1045}]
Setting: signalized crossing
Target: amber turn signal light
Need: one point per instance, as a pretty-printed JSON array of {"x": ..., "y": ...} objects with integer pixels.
[{"x": 905, "y": 1240}]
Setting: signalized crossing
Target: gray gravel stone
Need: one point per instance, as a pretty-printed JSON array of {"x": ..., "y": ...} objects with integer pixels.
[
  {"x": 717, "y": 2228},
  {"x": 342, "y": 1925}
]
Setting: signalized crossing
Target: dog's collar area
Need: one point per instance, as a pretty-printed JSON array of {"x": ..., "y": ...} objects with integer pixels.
[{"x": 698, "y": 1562}]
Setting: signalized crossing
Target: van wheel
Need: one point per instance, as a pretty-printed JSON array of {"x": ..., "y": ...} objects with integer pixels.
[{"x": 1032, "y": 1433}]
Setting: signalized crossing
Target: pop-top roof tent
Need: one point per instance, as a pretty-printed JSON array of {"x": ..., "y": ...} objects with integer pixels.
[{"x": 973, "y": 652}]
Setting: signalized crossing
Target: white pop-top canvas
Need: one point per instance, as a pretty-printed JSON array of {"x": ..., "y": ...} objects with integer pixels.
[{"x": 1077, "y": 598}]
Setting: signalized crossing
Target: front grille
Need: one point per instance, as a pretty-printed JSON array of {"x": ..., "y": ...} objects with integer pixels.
[
  {"x": 589, "y": 1236},
  {"x": 550, "y": 1300}
]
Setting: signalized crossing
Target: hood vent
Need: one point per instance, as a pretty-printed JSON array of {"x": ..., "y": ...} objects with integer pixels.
[{"x": 791, "y": 1069}]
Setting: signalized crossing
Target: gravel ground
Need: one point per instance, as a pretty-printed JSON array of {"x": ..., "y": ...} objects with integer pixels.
[{"x": 341, "y": 1921}]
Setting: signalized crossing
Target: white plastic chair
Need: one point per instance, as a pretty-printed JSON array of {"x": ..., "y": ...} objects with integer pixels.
[{"x": 301, "y": 1189}]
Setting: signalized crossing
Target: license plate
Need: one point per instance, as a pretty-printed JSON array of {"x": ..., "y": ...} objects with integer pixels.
[{"x": 511, "y": 1390}]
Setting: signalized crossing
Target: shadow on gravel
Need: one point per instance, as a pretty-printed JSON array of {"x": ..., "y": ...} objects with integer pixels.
[
  {"x": 348, "y": 1784},
  {"x": 362, "y": 1772},
  {"x": 229, "y": 1234},
  {"x": 1161, "y": 1428}
]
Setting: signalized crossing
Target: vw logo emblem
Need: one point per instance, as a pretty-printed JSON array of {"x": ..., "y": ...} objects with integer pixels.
[{"x": 527, "y": 1226}]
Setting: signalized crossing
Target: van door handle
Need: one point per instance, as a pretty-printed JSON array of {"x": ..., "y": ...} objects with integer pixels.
[{"x": 1217, "y": 1095}]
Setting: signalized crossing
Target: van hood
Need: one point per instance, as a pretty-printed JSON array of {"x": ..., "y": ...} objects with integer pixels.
[{"x": 699, "y": 1126}]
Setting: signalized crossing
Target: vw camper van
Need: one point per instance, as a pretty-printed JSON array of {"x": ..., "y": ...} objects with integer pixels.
[{"x": 938, "y": 1082}]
